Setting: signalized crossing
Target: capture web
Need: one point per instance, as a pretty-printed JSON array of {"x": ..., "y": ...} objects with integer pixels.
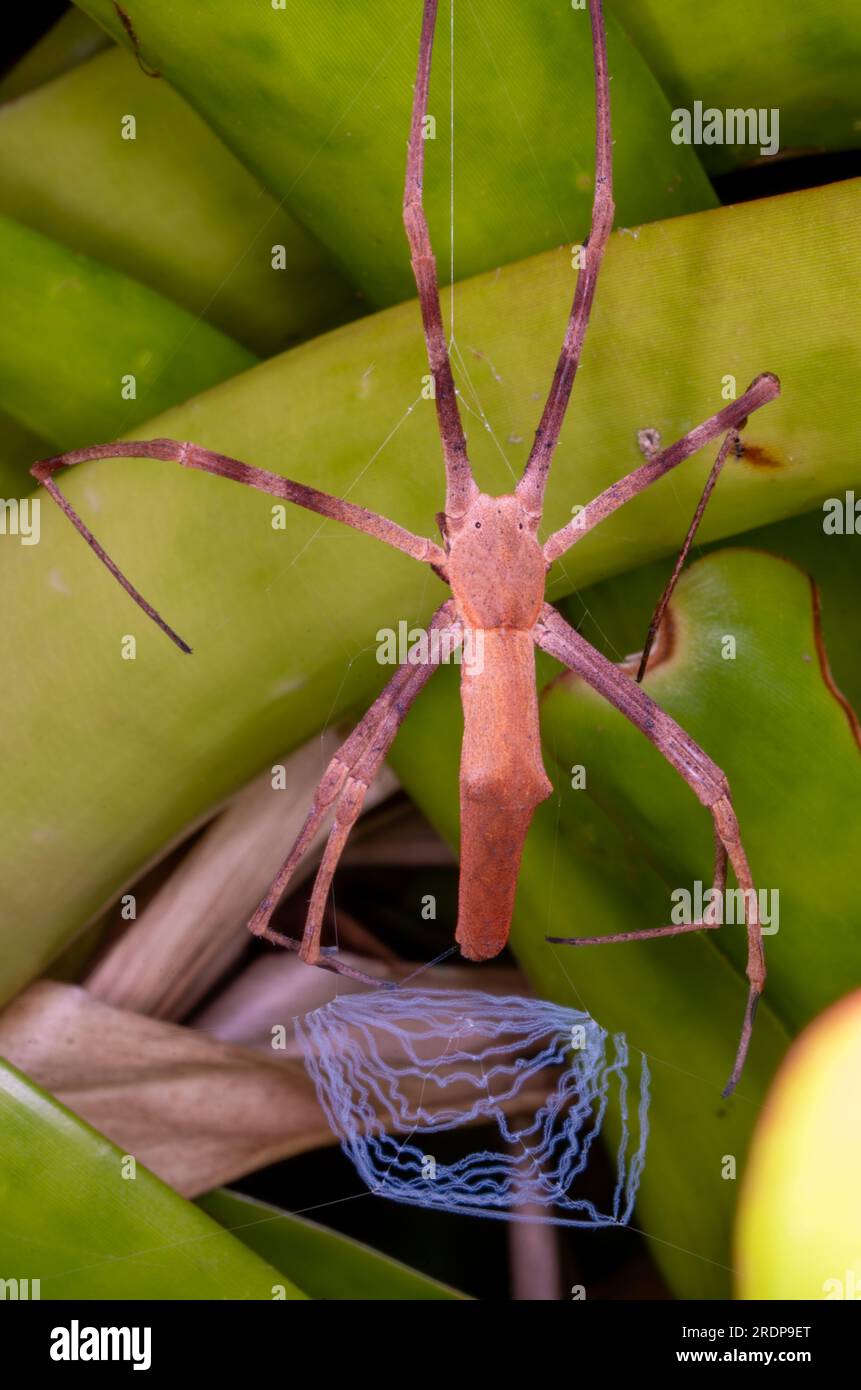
[{"x": 395, "y": 1067}]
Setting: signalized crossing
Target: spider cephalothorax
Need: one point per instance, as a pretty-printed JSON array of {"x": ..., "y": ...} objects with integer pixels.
[{"x": 495, "y": 565}]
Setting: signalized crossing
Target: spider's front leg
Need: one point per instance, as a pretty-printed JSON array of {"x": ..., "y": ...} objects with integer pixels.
[
  {"x": 732, "y": 417},
  {"x": 554, "y": 635},
  {"x": 530, "y": 489},
  {"x": 344, "y": 785},
  {"x": 461, "y": 488},
  {"x": 347, "y": 779},
  {"x": 222, "y": 466}
]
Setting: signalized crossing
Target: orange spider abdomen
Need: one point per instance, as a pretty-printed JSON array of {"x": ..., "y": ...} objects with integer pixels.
[{"x": 502, "y": 780}]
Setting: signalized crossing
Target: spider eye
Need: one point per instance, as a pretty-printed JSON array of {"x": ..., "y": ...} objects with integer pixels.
[
  {"x": 520, "y": 525},
  {"x": 478, "y": 526}
]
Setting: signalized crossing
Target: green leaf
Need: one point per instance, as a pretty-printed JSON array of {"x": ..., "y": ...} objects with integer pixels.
[
  {"x": 74, "y": 328},
  {"x": 772, "y": 723},
  {"x": 769, "y": 719},
  {"x": 319, "y": 109},
  {"x": 327, "y": 1264},
  {"x": 171, "y": 207},
  {"x": 730, "y": 54},
  {"x": 283, "y": 622},
  {"x": 72, "y": 1220},
  {"x": 799, "y": 1225}
]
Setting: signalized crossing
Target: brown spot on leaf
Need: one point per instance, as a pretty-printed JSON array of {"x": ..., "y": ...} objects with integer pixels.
[{"x": 757, "y": 456}]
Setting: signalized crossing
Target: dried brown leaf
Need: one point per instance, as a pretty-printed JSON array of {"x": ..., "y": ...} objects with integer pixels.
[{"x": 193, "y": 929}]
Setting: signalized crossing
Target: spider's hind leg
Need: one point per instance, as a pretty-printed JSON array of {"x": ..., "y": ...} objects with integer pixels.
[
  {"x": 554, "y": 635},
  {"x": 344, "y": 786}
]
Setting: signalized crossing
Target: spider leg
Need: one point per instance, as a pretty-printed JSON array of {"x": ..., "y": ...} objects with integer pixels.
[
  {"x": 461, "y": 488},
  {"x": 732, "y": 417},
  {"x": 709, "y": 920},
  {"x": 191, "y": 456},
  {"x": 554, "y": 635},
  {"x": 344, "y": 785},
  {"x": 530, "y": 489},
  {"x": 657, "y": 617}
]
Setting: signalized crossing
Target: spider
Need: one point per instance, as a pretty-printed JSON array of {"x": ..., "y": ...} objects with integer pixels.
[{"x": 496, "y": 567}]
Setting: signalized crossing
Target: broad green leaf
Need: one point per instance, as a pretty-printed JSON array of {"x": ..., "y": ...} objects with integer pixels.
[
  {"x": 70, "y": 41},
  {"x": 802, "y": 60},
  {"x": 284, "y": 622},
  {"x": 605, "y": 859},
  {"x": 763, "y": 711},
  {"x": 315, "y": 99},
  {"x": 171, "y": 206},
  {"x": 75, "y": 1219},
  {"x": 327, "y": 1264},
  {"x": 799, "y": 1222},
  {"x": 74, "y": 330}
]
